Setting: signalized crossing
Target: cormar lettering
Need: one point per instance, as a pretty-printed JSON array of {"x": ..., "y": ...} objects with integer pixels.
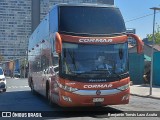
[
  {"x": 95, "y": 40},
  {"x": 98, "y": 86}
]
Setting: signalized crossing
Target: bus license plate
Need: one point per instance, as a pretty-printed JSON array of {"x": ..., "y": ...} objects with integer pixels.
[{"x": 98, "y": 99}]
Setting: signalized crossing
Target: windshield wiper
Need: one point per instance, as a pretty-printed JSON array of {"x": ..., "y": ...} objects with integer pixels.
[
  {"x": 78, "y": 72},
  {"x": 120, "y": 76},
  {"x": 104, "y": 70}
]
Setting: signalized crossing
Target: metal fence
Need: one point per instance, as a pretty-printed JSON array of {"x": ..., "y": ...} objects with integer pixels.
[
  {"x": 136, "y": 67},
  {"x": 156, "y": 68}
]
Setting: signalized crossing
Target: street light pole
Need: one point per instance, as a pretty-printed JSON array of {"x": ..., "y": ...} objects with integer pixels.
[{"x": 153, "y": 42}]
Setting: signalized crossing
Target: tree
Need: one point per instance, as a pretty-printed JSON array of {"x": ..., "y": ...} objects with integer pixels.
[
  {"x": 1, "y": 58},
  {"x": 24, "y": 67},
  {"x": 157, "y": 35}
]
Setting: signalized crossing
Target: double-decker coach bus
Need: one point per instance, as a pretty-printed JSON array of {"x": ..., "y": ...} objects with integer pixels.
[{"x": 78, "y": 56}]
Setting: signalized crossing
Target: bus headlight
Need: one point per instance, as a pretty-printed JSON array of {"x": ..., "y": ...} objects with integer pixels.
[
  {"x": 67, "y": 88},
  {"x": 124, "y": 87}
]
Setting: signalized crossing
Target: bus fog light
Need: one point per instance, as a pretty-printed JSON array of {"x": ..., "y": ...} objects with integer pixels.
[
  {"x": 125, "y": 97},
  {"x": 68, "y": 99}
]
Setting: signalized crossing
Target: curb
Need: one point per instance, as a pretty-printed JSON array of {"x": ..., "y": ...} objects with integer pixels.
[{"x": 148, "y": 96}]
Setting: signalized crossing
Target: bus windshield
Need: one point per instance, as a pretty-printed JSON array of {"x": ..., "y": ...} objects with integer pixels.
[{"x": 94, "y": 61}]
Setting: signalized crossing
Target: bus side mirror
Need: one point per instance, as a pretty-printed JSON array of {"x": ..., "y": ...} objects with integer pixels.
[
  {"x": 138, "y": 41},
  {"x": 58, "y": 41}
]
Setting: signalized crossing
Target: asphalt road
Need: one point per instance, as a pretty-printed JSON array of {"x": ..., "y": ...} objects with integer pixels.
[{"x": 19, "y": 98}]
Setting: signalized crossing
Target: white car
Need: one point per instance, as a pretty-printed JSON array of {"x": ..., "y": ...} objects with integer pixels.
[{"x": 2, "y": 81}]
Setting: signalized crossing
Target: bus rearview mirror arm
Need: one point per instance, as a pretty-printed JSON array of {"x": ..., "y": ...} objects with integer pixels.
[
  {"x": 138, "y": 41},
  {"x": 58, "y": 41}
]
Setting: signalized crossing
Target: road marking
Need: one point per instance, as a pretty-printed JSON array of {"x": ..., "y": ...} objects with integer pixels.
[{"x": 18, "y": 87}]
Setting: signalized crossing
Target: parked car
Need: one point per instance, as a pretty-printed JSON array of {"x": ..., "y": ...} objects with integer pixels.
[
  {"x": 16, "y": 74},
  {"x": 2, "y": 81}
]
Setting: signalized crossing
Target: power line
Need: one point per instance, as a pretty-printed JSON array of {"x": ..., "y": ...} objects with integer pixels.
[{"x": 140, "y": 17}]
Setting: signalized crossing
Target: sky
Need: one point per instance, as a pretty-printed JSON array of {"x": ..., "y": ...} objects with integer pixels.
[{"x": 132, "y": 9}]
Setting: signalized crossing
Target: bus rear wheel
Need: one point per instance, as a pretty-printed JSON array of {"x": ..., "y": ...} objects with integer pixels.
[{"x": 48, "y": 95}]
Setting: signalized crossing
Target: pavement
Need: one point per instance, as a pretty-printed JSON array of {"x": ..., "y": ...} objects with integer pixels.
[{"x": 144, "y": 91}]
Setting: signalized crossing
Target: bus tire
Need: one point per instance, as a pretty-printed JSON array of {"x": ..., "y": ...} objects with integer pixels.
[{"x": 48, "y": 96}]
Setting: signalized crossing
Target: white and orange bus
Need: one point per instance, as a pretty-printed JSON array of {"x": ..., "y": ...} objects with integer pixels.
[{"x": 78, "y": 56}]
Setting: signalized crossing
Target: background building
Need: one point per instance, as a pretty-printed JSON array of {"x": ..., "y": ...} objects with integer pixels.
[
  {"x": 131, "y": 41},
  {"x": 15, "y": 24},
  {"x": 46, "y": 5},
  {"x": 106, "y": 1}
]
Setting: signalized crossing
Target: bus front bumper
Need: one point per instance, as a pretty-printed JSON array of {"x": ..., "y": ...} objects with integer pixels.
[{"x": 67, "y": 99}]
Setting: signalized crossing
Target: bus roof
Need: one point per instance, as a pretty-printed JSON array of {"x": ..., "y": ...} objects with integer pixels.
[
  {"x": 85, "y": 5},
  {"x": 80, "y": 22}
]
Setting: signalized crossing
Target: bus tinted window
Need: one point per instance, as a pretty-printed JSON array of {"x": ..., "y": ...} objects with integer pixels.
[{"x": 91, "y": 20}]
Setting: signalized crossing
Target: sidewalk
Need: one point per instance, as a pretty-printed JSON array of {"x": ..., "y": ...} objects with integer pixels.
[{"x": 144, "y": 91}]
